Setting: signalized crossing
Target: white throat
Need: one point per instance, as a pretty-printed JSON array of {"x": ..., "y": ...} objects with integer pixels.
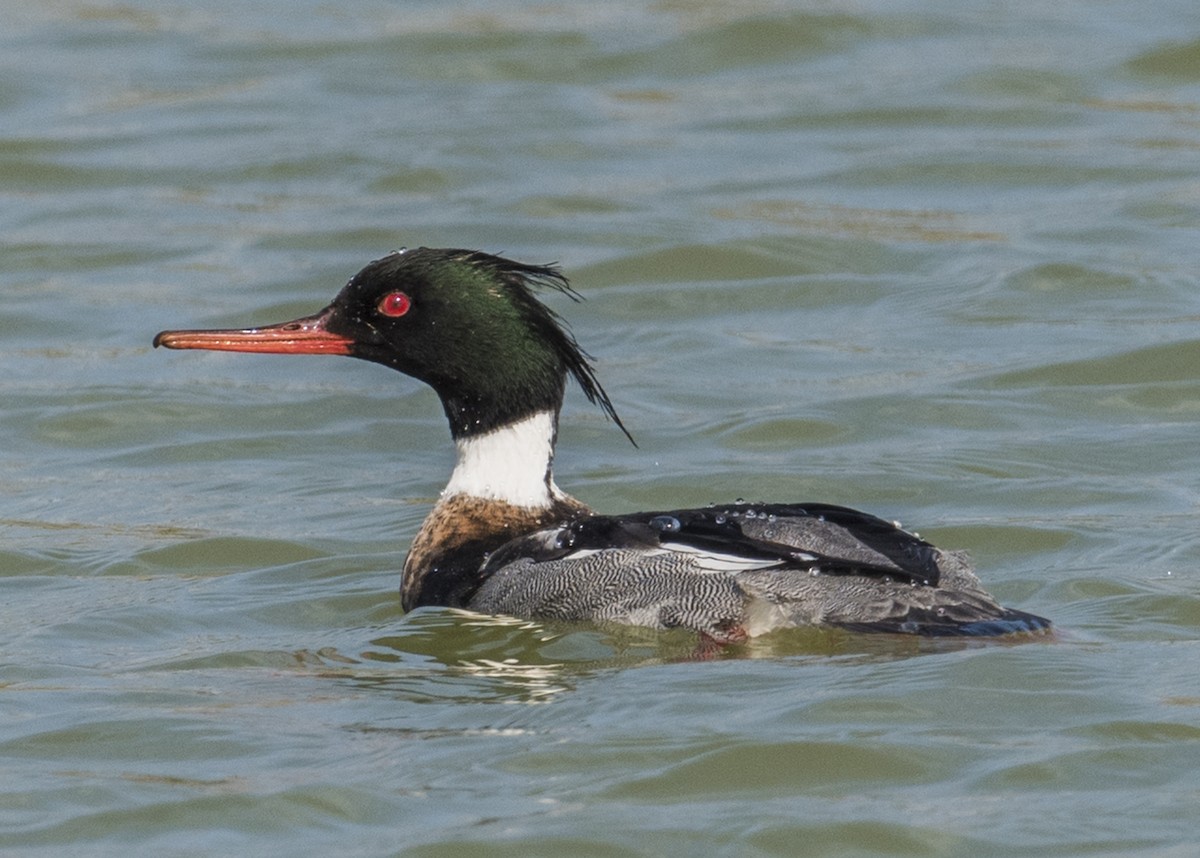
[{"x": 510, "y": 464}]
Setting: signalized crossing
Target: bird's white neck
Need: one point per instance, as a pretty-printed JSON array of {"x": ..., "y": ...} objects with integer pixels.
[{"x": 511, "y": 464}]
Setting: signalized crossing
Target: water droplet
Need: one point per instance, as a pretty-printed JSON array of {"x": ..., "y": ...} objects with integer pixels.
[
  {"x": 771, "y": 517},
  {"x": 666, "y": 523},
  {"x": 740, "y": 500},
  {"x": 751, "y": 513},
  {"x": 941, "y": 612},
  {"x": 720, "y": 518},
  {"x": 814, "y": 571}
]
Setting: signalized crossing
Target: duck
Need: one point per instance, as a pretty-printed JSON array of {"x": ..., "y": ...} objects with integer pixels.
[{"x": 504, "y": 539}]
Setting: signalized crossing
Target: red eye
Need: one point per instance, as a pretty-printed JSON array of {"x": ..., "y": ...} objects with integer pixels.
[{"x": 394, "y": 304}]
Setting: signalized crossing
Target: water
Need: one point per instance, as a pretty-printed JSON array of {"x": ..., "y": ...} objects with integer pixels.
[{"x": 933, "y": 260}]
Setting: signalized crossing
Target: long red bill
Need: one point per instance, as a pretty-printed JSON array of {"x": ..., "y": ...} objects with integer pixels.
[{"x": 306, "y": 336}]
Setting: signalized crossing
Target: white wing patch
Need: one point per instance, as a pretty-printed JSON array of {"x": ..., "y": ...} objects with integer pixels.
[
  {"x": 717, "y": 561},
  {"x": 701, "y": 559}
]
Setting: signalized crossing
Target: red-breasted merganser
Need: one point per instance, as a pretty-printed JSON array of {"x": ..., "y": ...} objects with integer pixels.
[{"x": 504, "y": 539}]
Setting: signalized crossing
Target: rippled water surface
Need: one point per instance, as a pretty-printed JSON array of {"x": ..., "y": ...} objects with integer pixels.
[{"x": 934, "y": 260}]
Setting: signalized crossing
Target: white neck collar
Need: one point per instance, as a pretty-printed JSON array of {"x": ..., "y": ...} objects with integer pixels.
[{"x": 510, "y": 464}]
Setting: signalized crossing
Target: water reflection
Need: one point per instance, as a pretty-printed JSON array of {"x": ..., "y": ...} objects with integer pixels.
[{"x": 440, "y": 655}]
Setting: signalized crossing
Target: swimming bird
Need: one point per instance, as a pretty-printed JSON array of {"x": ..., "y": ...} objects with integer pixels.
[{"x": 503, "y": 538}]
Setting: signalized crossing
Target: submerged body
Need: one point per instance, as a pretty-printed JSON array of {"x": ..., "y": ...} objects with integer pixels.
[{"x": 504, "y": 539}]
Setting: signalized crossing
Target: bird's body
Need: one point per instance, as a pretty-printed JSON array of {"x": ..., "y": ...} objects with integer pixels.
[{"x": 504, "y": 539}]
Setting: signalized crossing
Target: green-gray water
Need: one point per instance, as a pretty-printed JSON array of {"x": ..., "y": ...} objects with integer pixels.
[{"x": 935, "y": 260}]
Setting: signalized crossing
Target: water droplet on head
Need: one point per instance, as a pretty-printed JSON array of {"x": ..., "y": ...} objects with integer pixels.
[{"x": 720, "y": 518}]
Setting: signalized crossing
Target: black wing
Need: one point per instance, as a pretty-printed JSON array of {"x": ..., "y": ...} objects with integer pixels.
[{"x": 836, "y": 540}]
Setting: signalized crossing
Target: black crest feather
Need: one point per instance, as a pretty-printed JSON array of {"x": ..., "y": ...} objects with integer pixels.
[{"x": 523, "y": 280}]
